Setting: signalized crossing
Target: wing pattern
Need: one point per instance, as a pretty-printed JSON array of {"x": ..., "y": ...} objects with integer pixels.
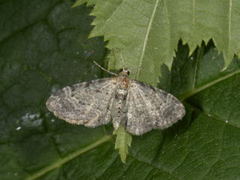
[
  {"x": 151, "y": 108},
  {"x": 87, "y": 103}
]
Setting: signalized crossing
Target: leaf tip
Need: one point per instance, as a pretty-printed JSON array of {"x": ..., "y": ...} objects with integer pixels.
[
  {"x": 78, "y": 3},
  {"x": 123, "y": 142}
]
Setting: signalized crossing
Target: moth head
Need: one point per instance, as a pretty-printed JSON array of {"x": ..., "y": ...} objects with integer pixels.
[{"x": 124, "y": 72}]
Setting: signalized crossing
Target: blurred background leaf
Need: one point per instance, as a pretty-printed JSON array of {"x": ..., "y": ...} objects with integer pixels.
[{"x": 44, "y": 46}]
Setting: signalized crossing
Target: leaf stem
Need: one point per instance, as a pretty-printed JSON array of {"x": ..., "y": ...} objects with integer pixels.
[{"x": 68, "y": 158}]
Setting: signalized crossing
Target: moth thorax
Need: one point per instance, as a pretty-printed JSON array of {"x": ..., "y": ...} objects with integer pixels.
[
  {"x": 122, "y": 92},
  {"x": 124, "y": 72}
]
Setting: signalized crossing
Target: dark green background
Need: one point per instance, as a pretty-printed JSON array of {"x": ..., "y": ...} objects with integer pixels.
[{"x": 44, "y": 46}]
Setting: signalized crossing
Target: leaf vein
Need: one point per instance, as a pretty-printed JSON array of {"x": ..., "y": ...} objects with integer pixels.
[
  {"x": 229, "y": 26},
  {"x": 68, "y": 158},
  {"x": 219, "y": 153},
  {"x": 146, "y": 37},
  {"x": 151, "y": 165},
  {"x": 108, "y": 166},
  {"x": 208, "y": 85}
]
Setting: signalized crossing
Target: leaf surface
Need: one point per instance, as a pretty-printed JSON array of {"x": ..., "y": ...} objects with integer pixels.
[
  {"x": 49, "y": 50},
  {"x": 147, "y": 31},
  {"x": 123, "y": 142}
]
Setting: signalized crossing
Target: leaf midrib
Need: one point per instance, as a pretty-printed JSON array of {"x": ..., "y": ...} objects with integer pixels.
[
  {"x": 146, "y": 38},
  {"x": 207, "y": 85},
  {"x": 69, "y": 157},
  {"x": 104, "y": 139},
  {"x": 229, "y": 27}
]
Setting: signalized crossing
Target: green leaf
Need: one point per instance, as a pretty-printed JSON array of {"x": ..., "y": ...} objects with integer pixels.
[
  {"x": 148, "y": 31},
  {"x": 123, "y": 141},
  {"x": 44, "y": 46},
  {"x": 73, "y": 155}
]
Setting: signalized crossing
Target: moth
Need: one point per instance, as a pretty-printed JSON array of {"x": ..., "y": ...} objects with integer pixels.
[{"x": 136, "y": 106}]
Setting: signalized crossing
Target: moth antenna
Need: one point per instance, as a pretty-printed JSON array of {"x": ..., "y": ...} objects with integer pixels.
[{"x": 112, "y": 73}]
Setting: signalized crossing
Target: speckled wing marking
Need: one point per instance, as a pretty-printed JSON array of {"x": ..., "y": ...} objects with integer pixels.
[
  {"x": 151, "y": 108},
  {"x": 87, "y": 103}
]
